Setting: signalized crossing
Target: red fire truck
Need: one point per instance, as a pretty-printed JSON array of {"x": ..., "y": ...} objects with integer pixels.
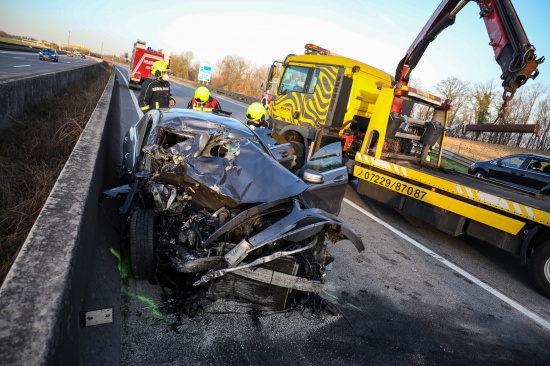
[{"x": 141, "y": 62}]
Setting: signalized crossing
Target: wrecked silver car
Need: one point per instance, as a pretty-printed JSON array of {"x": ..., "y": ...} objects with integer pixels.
[{"x": 211, "y": 206}]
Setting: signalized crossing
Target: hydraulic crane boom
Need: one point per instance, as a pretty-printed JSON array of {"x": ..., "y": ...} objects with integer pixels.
[{"x": 513, "y": 52}]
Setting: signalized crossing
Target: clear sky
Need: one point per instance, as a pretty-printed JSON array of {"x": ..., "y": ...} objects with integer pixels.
[{"x": 376, "y": 32}]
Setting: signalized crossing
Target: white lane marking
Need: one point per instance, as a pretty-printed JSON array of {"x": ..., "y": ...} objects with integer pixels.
[
  {"x": 22, "y": 66},
  {"x": 132, "y": 95},
  {"x": 522, "y": 309}
]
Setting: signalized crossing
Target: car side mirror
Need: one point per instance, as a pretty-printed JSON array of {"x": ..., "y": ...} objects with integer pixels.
[{"x": 311, "y": 176}]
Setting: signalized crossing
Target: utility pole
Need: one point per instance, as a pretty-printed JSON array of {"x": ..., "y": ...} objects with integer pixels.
[
  {"x": 101, "y": 49},
  {"x": 69, "y": 39}
]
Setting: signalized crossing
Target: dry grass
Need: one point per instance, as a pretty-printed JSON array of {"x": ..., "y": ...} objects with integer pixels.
[
  {"x": 33, "y": 152},
  {"x": 483, "y": 150}
]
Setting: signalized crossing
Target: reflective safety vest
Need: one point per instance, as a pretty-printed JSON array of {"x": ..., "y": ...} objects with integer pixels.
[{"x": 206, "y": 107}]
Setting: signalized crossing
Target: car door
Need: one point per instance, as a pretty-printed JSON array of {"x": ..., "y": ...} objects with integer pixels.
[
  {"x": 508, "y": 170},
  {"x": 326, "y": 177},
  {"x": 135, "y": 140},
  {"x": 536, "y": 178}
]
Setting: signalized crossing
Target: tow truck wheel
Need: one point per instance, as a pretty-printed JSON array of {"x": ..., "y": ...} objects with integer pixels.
[
  {"x": 479, "y": 173},
  {"x": 141, "y": 244},
  {"x": 539, "y": 268}
]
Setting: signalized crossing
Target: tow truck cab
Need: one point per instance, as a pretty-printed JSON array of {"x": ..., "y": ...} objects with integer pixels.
[{"x": 322, "y": 97}]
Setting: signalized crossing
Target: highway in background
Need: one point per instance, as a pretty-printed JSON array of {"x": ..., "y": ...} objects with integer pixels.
[
  {"x": 19, "y": 64},
  {"x": 415, "y": 296}
]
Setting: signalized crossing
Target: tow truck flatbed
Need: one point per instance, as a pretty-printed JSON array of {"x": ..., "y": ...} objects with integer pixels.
[{"x": 447, "y": 191}]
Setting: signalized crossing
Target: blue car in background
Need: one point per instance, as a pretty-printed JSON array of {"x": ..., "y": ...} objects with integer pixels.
[{"x": 48, "y": 54}]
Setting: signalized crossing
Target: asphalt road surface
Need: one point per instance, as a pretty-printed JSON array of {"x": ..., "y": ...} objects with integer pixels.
[{"x": 415, "y": 296}]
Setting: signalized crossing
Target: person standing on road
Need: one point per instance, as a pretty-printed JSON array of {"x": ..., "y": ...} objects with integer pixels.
[
  {"x": 203, "y": 101},
  {"x": 155, "y": 93}
]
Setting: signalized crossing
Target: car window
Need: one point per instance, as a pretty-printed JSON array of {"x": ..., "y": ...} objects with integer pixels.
[
  {"x": 539, "y": 165},
  {"x": 327, "y": 158},
  {"x": 513, "y": 161}
]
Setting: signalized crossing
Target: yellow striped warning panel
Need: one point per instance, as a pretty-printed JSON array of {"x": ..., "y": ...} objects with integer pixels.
[{"x": 471, "y": 194}]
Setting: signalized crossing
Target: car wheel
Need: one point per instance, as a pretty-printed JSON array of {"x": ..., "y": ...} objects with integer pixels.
[
  {"x": 141, "y": 244},
  {"x": 539, "y": 268},
  {"x": 479, "y": 174}
]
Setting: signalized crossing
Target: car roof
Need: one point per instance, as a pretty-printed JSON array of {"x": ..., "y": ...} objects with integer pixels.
[{"x": 538, "y": 156}]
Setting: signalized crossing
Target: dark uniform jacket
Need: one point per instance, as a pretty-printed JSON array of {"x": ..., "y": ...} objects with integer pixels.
[{"x": 155, "y": 94}]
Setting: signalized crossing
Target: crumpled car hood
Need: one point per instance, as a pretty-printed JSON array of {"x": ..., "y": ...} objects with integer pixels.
[{"x": 245, "y": 173}]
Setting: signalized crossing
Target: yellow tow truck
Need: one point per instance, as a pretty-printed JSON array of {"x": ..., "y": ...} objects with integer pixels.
[{"x": 388, "y": 130}]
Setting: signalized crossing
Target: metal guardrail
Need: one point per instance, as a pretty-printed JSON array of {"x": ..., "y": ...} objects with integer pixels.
[
  {"x": 241, "y": 97},
  {"x": 455, "y": 157}
]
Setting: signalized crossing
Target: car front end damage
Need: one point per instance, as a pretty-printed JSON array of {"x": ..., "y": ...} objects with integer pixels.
[{"x": 218, "y": 215}]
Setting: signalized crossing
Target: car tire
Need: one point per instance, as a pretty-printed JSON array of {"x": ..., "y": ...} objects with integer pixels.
[
  {"x": 479, "y": 174},
  {"x": 141, "y": 244},
  {"x": 539, "y": 268}
]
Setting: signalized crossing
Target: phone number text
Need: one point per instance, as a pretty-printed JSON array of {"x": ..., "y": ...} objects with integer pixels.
[{"x": 390, "y": 183}]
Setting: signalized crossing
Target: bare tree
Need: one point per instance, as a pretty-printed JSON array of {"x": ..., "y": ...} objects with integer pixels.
[
  {"x": 541, "y": 140},
  {"x": 458, "y": 91},
  {"x": 194, "y": 71},
  {"x": 481, "y": 102},
  {"x": 229, "y": 71}
]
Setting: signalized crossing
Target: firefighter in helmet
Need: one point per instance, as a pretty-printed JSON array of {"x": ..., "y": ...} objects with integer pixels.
[
  {"x": 255, "y": 116},
  {"x": 203, "y": 101},
  {"x": 155, "y": 92}
]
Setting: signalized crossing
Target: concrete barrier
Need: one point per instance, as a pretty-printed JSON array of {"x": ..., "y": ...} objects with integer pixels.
[
  {"x": 63, "y": 271},
  {"x": 22, "y": 93}
]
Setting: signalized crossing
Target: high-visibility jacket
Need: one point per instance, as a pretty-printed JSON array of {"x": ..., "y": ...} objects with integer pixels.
[
  {"x": 211, "y": 105},
  {"x": 155, "y": 94}
]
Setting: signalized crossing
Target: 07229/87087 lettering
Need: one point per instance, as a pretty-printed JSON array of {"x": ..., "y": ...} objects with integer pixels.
[{"x": 391, "y": 184}]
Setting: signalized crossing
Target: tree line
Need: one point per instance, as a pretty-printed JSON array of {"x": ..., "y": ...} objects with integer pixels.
[
  {"x": 479, "y": 103},
  {"x": 231, "y": 73}
]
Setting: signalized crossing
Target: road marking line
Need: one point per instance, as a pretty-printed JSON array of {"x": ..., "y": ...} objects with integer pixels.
[
  {"x": 132, "y": 95},
  {"x": 22, "y": 66},
  {"x": 522, "y": 309}
]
